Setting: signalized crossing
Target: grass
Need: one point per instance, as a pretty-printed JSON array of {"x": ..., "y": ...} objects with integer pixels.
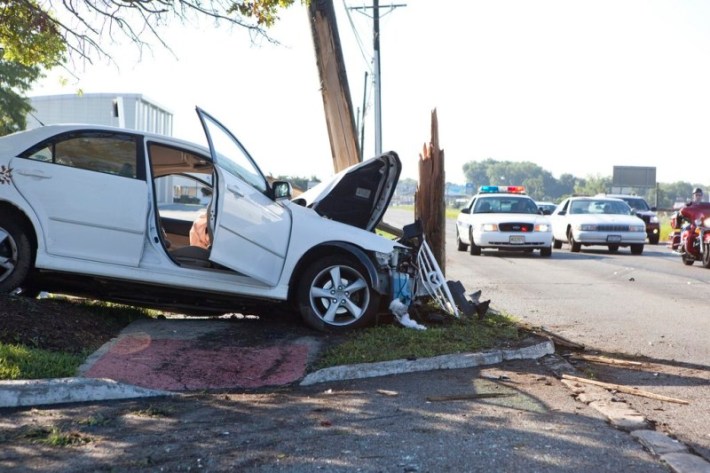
[
  {"x": 392, "y": 342},
  {"x": 22, "y": 362}
]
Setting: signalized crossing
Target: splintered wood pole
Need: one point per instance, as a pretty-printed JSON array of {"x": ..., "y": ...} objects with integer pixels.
[{"x": 429, "y": 202}]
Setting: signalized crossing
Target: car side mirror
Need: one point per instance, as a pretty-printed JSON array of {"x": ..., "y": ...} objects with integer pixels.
[
  {"x": 466, "y": 211},
  {"x": 654, "y": 209},
  {"x": 281, "y": 189}
]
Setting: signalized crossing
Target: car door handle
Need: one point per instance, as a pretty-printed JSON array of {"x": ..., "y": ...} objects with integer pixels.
[
  {"x": 235, "y": 190},
  {"x": 33, "y": 173}
]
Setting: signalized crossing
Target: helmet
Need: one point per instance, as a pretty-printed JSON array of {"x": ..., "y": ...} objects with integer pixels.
[{"x": 698, "y": 190}]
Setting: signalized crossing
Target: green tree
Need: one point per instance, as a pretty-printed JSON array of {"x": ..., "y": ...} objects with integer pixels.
[
  {"x": 28, "y": 30},
  {"x": 593, "y": 185},
  {"x": 15, "y": 79}
]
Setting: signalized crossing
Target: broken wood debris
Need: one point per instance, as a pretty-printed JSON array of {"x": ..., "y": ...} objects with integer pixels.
[
  {"x": 466, "y": 397},
  {"x": 605, "y": 360},
  {"x": 625, "y": 389}
]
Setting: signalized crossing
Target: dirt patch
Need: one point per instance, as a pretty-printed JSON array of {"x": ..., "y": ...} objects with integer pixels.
[{"x": 56, "y": 325}]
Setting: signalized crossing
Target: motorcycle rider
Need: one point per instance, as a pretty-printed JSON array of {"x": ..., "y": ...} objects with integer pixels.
[
  {"x": 682, "y": 221},
  {"x": 697, "y": 196}
]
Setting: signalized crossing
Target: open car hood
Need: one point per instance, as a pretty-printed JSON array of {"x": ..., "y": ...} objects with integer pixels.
[{"x": 358, "y": 195}]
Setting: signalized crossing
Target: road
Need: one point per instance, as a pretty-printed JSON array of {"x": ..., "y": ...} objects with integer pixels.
[{"x": 649, "y": 306}]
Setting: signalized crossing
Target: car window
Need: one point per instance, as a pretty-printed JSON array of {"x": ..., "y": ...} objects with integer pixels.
[
  {"x": 638, "y": 204},
  {"x": 579, "y": 207},
  {"x": 615, "y": 207},
  {"x": 101, "y": 152},
  {"x": 230, "y": 155}
]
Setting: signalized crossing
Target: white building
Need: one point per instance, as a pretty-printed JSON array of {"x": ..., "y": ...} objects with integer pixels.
[{"x": 133, "y": 111}]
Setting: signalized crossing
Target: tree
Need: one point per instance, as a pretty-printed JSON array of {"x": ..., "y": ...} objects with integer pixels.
[
  {"x": 29, "y": 30},
  {"x": 15, "y": 79}
]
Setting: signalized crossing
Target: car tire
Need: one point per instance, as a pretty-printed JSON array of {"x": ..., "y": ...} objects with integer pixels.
[
  {"x": 653, "y": 239},
  {"x": 636, "y": 249},
  {"x": 15, "y": 253},
  {"x": 687, "y": 260},
  {"x": 556, "y": 244},
  {"x": 613, "y": 248},
  {"x": 546, "y": 252},
  {"x": 473, "y": 249},
  {"x": 574, "y": 246},
  {"x": 460, "y": 246},
  {"x": 706, "y": 255},
  {"x": 325, "y": 283}
]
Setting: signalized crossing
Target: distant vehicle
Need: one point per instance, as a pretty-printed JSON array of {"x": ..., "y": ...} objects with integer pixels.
[
  {"x": 643, "y": 211},
  {"x": 503, "y": 218},
  {"x": 546, "y": 207},
  {"x": 601, "y": 221}
]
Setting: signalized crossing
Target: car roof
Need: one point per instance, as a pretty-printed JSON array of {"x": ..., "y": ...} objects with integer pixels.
[{"x": 21, "y": 140}]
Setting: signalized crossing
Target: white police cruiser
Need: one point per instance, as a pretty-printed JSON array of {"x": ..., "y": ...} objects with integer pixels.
[{"x": 503, "y": 218}]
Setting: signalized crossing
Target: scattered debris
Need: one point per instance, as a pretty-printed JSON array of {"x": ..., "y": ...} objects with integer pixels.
[
  {"x": 469, "y": 305},
  {"x": 624, "y": 389},
  {"x": 557, "y": 339},
  {"x": 399, "y": 309},
  {"x": 466, "y": 397},
  {"x": 605, "y": 360}
]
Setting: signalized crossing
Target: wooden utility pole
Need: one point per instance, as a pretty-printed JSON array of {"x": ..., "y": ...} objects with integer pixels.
[
  {"x": 429, "y": 202},
  {"x": 338, "y": 107}
]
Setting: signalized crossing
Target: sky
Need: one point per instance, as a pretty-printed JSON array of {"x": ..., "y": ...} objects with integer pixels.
[{"x": 576, "y": 87}]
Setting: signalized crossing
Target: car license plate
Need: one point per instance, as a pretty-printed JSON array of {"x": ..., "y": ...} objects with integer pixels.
[
  {"x": 613, "y": 238},
  {"x": 516, "y": 240}
]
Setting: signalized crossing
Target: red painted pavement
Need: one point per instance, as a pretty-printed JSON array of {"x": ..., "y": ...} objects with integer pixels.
[{"x": 177, "y": 365}]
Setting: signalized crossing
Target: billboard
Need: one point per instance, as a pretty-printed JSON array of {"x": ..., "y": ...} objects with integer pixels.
[{"x": 634, "y": 176}]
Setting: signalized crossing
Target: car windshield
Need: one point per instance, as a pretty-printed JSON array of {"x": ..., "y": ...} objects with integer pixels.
[
  {"x": 505, "y": 204},
  {"x": 636, "y": 203},
  {"x": 614, "y": 207}
]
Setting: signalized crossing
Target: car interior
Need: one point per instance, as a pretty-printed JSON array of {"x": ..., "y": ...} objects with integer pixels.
[{"x": 182, "y": 183}]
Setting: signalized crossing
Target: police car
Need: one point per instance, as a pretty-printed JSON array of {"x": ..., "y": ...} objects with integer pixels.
[{"x": 503, "y": 218}]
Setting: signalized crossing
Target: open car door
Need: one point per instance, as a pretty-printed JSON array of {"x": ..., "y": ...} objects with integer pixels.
[{"x": 250, "y": 230}]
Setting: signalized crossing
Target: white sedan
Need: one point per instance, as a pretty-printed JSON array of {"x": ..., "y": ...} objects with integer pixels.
[
  {"x": 90, "y": 210},
  {"x": 600, "y": 221},
  {"x": 503, "y": 218}
]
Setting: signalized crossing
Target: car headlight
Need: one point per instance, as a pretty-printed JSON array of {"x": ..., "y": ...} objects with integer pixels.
[
  {"x": 637, "y": 228},
  {"x": 489, "y": 227},
  {"x": 653, "y": 219},
  {"x": 587, "y": 227},
  {"x": 542, "y": 227}
]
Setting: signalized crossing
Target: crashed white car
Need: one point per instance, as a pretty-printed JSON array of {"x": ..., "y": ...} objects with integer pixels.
[{"x": 86, "y": 210}]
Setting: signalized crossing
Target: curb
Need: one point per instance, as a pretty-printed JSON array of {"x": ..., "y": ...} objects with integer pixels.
[
  {"x": 66, "y": 390},
  {"x": 466, "y": 360},
  {"x": 673, "y": 453},
  {"x": 69, "y": 390}
]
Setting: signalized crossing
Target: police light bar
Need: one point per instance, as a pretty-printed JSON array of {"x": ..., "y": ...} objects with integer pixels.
[{"x": 501, "y": 189}]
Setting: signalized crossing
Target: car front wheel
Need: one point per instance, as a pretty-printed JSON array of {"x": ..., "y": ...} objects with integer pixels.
[
  {"x": 334, "y": 295},
  {"x": 15, "y": 253},
  {"x": 574, "y": 246},
  {"x": 461, "y": 246},
  {"x": 546, "y": 251},
  {"x": 473, "y": 249}
]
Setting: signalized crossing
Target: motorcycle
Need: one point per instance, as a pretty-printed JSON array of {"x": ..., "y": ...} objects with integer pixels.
[{"x": 690, "y": 237}]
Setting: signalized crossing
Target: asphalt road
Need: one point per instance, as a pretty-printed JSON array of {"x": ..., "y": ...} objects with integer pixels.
[{"x": 651, "y": 307}]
